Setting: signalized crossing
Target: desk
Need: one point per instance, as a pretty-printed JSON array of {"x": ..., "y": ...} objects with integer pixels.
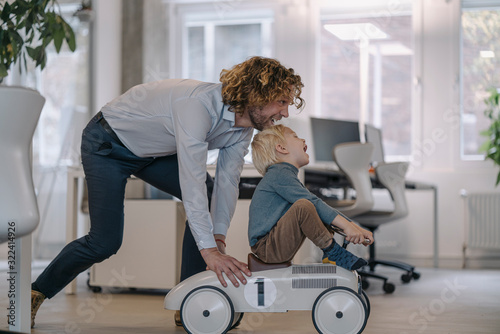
[{"x": 333, "y": 178}]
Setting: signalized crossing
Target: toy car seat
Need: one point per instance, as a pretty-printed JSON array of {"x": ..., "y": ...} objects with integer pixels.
[{"x": 256, "y": 264}]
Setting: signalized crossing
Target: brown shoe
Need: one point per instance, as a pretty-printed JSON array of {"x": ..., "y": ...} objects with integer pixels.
[
  {"x": 177, "y": 318},
  {"x": 37, "y": 299}
]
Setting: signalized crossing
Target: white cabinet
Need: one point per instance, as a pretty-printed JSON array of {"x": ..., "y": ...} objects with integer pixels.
[{"x": 150, "y": 256}]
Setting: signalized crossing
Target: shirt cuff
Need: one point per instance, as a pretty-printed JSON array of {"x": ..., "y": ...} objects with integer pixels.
[
  {"x": 220, "y": 228},
  {"x": 208, "y": 242}
]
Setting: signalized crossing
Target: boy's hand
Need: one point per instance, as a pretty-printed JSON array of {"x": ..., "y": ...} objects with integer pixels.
[
  {"x": 368, "y": 236},
  {"x": 221, "y": 263},
  {"x": 354, "y": 234}
]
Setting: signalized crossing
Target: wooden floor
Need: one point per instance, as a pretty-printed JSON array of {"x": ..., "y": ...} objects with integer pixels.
[{"x": 442, "y": 301}]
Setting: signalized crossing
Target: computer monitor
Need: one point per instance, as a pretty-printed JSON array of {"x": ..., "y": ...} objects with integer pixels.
[
  {"x": 374, "y": 136},
  {"x": 327, "y": 133}
]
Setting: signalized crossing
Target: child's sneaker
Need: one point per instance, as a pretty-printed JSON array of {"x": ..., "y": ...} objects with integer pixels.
[{"x": 335, "y": 254}]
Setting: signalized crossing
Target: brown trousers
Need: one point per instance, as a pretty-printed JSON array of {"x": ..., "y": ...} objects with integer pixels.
[{"x": 284, "y": 240}]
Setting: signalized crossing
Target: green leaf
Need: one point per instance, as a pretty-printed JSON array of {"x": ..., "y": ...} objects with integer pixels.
[
  {"x": 28, "y": 23},
  {"x": 69, "y": 36},
  {"x": 30, "y": 38},
  {"x": 43, "y": 60},
  {"x": 498, "y": 179},
  {"x": 46, "y": 40},
  {"x": 21, "y": 24},
  {"x": 58, "y": 39},
  {"x": 25, "y": 62},
  {"x": 3, "y": 71},
  {"x": 15, "y": 37},
  {"x": 31, "y": 52},
  {"x": 5, "y": 12},
  {"x": 39, "y": 52}
]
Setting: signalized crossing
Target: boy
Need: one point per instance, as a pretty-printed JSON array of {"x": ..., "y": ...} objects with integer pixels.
[{"x": 283, "y": 212}]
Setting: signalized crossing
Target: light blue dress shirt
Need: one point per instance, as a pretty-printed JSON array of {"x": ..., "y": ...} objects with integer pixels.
[{"x": 186, "y": 117}]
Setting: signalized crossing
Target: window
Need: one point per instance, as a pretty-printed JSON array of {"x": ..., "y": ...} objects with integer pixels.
[
  {"x": 480, "y": 72},
  {"x": 366, "y": 71},
  {"x": 212, "y": 43},
  {"x": 65, "y": 84}
]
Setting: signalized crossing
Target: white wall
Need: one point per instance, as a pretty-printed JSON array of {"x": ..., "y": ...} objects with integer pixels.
[{"x": 106, "y": 60}]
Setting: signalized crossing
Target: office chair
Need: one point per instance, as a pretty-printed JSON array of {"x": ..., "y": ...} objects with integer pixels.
[
  {"x": 392, "y": 177},
  {"x": 353, "y": 159}
]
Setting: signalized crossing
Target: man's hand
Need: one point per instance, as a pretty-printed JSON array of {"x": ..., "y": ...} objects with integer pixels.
[
  {"x": 220, "y": 240},
  {"x": 222, "y": 263}
]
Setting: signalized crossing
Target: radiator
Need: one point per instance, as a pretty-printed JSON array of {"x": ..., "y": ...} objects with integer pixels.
[{"x": 482, "y": 220}]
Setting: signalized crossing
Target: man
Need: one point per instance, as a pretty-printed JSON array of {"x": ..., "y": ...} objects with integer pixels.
[{"x": 161, "y": 132}]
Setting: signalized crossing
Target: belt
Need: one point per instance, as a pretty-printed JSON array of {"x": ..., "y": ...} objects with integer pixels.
[{"x": 105, "y": 125}]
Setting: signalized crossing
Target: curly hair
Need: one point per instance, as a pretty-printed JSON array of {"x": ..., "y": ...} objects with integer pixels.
[
  {"x": 259, "y": 81},
  {"x": 264, "y": 147}
]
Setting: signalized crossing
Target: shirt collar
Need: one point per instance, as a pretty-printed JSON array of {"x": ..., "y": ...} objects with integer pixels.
[
  {"x": 228, "y": 115},
  {"x": 285, "y": 165}
]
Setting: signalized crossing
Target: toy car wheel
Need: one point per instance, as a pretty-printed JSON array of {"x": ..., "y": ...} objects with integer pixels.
[
  {"x": 339, "y": 310},
  {"x": 237, "y": 319},
  {"x": 207, "y": 310},
  {"x": 365, "y": 299}
]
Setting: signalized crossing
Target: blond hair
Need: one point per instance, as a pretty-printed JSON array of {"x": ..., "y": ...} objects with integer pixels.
[
  {"x": 264, "y": 147},
  {"x": 259, "y": 81}
]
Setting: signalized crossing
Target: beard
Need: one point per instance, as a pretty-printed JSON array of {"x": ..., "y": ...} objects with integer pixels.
[{"x": 258, "y": 121}]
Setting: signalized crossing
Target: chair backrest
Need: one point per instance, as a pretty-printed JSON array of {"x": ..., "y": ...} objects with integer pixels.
[
  {"x": 392, "y": 177},
  {"x": 20, "y": 109},
  {"x": 354, "y": 159}
]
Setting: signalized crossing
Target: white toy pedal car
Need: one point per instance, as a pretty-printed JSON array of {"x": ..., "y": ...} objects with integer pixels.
[{"x": 334, "y": 294}]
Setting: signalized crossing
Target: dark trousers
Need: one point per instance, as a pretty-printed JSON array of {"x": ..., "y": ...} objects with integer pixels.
[{"x": 107, "y": 165}]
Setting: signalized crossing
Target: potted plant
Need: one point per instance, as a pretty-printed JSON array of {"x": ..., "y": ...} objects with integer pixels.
[
  {"x": 27, "y": 28},
  {"x": 492, "y": 145}
]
